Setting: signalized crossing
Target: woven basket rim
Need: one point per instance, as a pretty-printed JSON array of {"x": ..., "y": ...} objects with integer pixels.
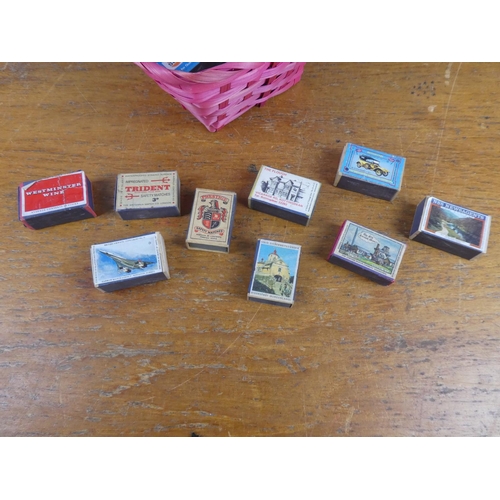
[{"x": 229, "y": 89}]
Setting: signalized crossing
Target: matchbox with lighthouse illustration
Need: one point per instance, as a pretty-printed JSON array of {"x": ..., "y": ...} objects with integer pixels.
[
  {"x": 211, "y": 222},
  {"x": 370, "y": 172},
  {"x": 451, "y": 228},
  {"x": 147, "y": 195},
  {"x": 367, "y": 253},
  {"x": 55, "y": 200},
  {"x": 284, "y": 195},
  {"x": 129, "y": 262}
]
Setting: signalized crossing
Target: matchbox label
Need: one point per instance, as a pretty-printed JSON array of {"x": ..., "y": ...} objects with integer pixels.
[
  {"x": 275, "y": 271},
  {"x": 211, "y": 216},
  {"x": 459, "y": 210},
  {"x": 53, "y": 193},
  {"x": 372, "y": 166},
  {"x": 455, "y": 223},
  {"x": 146, "y": 190},
  {"x": 285, "y": 190},
  {"x": 368, "y": 249},
  {"x": 125, "y": 259}
]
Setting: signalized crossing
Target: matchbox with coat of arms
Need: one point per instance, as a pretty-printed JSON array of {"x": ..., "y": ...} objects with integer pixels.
[
  {"x": 211, "y": 222},
  {"x": 55, "y": 200},
  {"x": 147, "y": 195},
  {"x": 368, "y": 253},
  {"x": 284, "y": 195},
  {"x": 370, "y": 172},
  {"x": 451, "y": 228},
  {"x": 129, "y": 262}
]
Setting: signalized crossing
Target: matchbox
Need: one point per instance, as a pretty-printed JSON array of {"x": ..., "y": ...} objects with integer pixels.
[
  {"x": 370, "y": 172},
  {"x": 451, "y": 228},
  {"x": 211, "y": 222},
  {"x": 284, "y": 195},
  {"x": 129, "y": 262},
  {"x": 55, "y": 200},
  {"x": 274, "y": 276},
  {"x": 367, "y": 253},
  {"x": 147, "y": 195}
]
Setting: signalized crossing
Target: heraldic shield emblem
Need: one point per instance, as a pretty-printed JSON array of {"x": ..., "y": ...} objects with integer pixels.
[{"x": 212, "y": 215}]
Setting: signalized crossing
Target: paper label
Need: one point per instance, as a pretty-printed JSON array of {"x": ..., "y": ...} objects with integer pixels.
[
  {"x": 146, "y": 190},
  {"x": 285, "y": 190},
  {"x": 211, "y": 216},
  {"x": 60, "y": 192}
]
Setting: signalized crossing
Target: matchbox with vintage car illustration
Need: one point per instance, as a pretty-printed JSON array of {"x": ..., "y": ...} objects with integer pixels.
[{"x": 370, "y": 172}]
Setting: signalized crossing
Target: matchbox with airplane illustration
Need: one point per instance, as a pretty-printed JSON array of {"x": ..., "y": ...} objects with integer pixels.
[
  {"x": 212, "y": 219},
  {"x": 129, "y": 262},
  {"x": 55, "y": 200},
  {"x": 370, "y": 172},
  {"x": 284, "y": 195},
  {"x": 368, "y": 253},
  {"x": 451, "y": 228},
  {"x": 274, "y": 276},
  {"x": 147, "y": 195}
]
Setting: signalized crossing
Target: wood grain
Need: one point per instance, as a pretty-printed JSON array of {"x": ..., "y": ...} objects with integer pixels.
[{"x": 351, "y": 358}]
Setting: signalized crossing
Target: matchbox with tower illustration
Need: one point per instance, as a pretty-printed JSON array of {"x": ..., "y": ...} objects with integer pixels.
[
  {"x": 55, "y": 200},
  {"x": 212, "y": 219},
  {"x": 129, "y": 262},
  {"x": 370, "y": 172},
  {"x": 147, "y": 195},
  {"x": 284, "y": 195},
  {"x": 451, "y": 228},
  {"x": 274, "y": 276},
  {"x": 367, "y": 253}
]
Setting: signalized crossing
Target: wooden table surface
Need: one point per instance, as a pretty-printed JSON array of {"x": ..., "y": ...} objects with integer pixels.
[{"x": 192, "y": 355}]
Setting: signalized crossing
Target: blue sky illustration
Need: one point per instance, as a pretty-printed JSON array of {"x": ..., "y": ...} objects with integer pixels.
[
  {"x": 394, "y": 247},
  {"x": 136, "y": 249},
  {"x": 287, "y": 254}
]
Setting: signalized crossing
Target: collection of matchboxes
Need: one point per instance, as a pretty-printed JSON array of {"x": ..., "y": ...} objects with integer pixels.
[{"x": 143, "y": 259}]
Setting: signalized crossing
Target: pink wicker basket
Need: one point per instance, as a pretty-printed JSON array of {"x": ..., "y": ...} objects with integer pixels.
[{"x": 220, "y": 94}]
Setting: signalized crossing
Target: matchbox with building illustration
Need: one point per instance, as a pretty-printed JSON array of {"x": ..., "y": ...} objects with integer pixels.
[
  {"x": 147, "y": 195},
  {"x": 370, "y": 172},
  {"x": 211, "y": 222},
  {"x": 451, "y": 228},
  {"x": 274, "y": 276},
  {"x": 284, "y": 195},
  {"x": 129, "y": 262},
  {"x": 55, "y": 200},
  {"x": 368, "y": 253}
]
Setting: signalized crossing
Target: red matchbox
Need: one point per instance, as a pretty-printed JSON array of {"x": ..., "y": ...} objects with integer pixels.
[{"x": 55, "y": 200}]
